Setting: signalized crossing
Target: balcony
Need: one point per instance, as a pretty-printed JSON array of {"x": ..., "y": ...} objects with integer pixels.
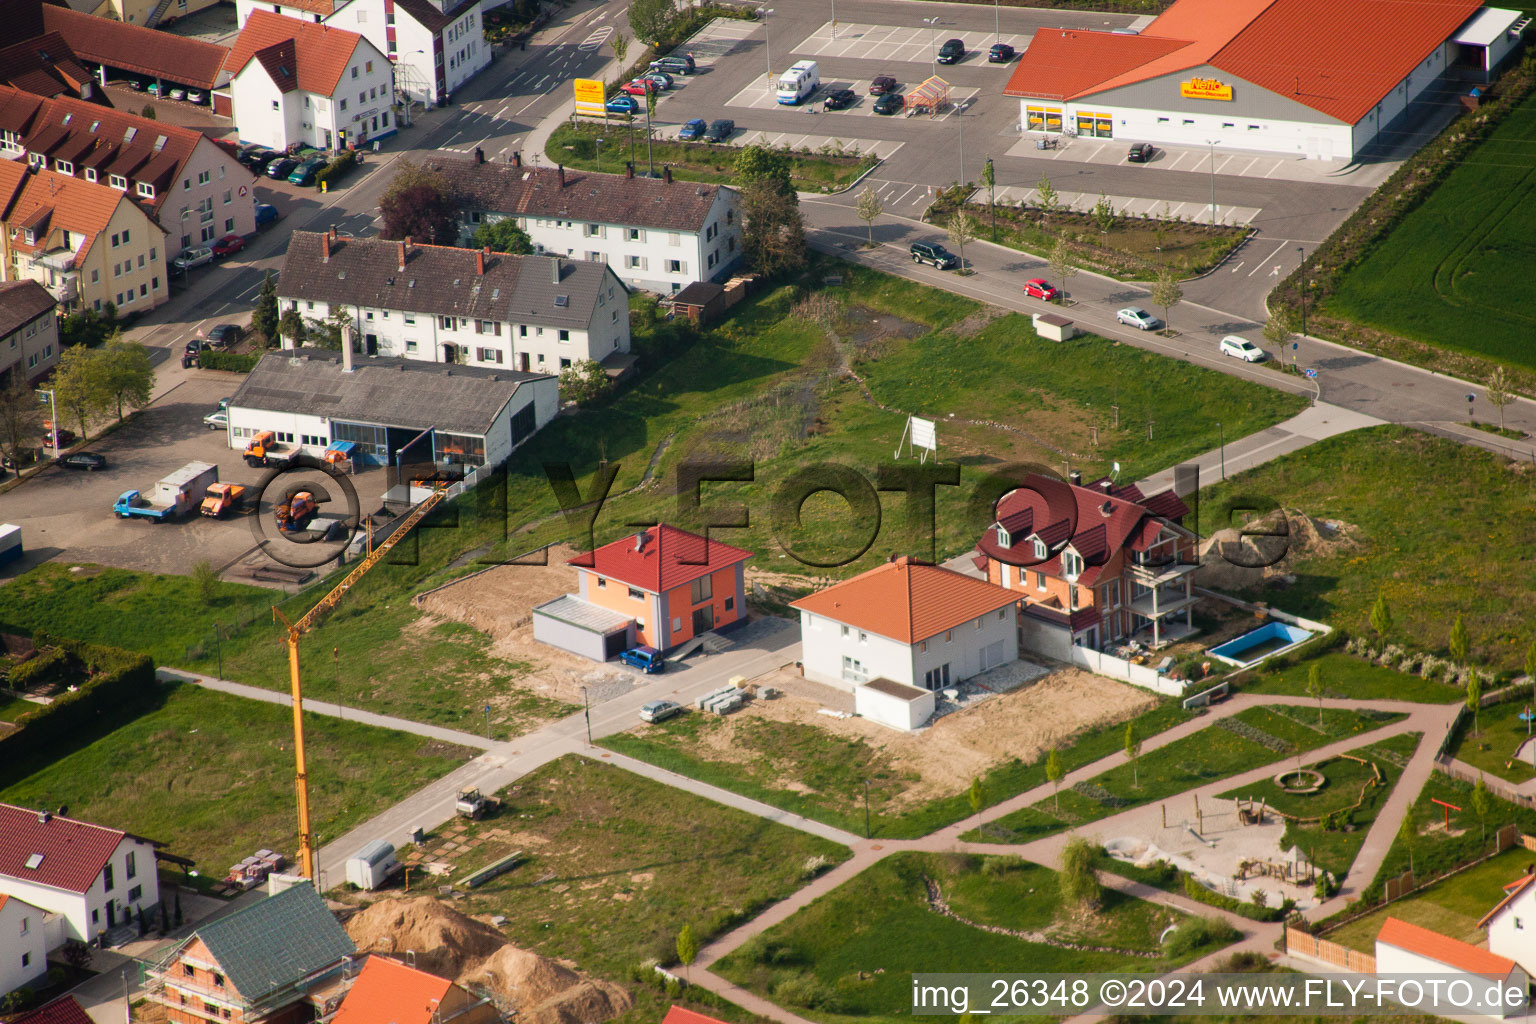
[
  {"x": 1157, "y": 575},
  {"x": 61, "y": 260},
  {"x": 1162, "y": 602}
]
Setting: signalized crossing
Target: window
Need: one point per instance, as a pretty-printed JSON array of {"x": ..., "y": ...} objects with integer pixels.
[
  {"x": 135, "y": 894},
  {"x": 64, "y": 167},
  {"x": 949, "y": 636},
  {"x": 106, "y": 878},
  {"x": 26, "y": 923},
  {"x": 116, "y": 240},
  {"x": 673, "y": 238},
  {"x": 141, "y": 261},
  {"x": 565, "y": 336},
  {"x": 488, "y": 355},
  {"x": 26, "y": 959},
  {"x": 368, "y": 64},
  {"x": 636, "y": 595},
  {"x": 730, "y": 603},
  {"x": 677, "y": 624},
  {"x": 846, "y": 631},
  {"x": 565, "y": 363},
  {"x": 229, "y": 197},
  {"x": 274, "y": 105},
  {"x": 701, "y": 590},
  {"x": 922, "y": 646},
  {"x": 445, "y": 322},
  {"x": 1000, "y": 613},
  {"x": 978, "y": 623},
  {"x": 154, "y": 254},
  {"x": 188, "y": 970},
  {"x": 937, "y": 678},
  {"x": 343, "y": 105},
  {"x": 602, "y": 584},
  {"x": 354, "y": 71},
  {"x": 1519, "y": 925},
  {"x": 674, "y": 266},
  {"x": 635, "y": 235},
  {"x": 1040, "y": 549},
  {"x": 1071, "y": 564},
  {"x": 146, "y": 190},
  {"x": 863, "y": 637},
  {"x": 203, "y": 177},
  {"x": 90, "y": 174},
  {"x": 410, "y": 319},
  {"x": 410, "y": 346},
  {"x": 1162, "y": 120}
]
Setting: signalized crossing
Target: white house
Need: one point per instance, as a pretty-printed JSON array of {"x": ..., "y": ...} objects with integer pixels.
[
  {"x": 657, "y": 234},
  {"x": 23, "y": 949},
  {"x": 295, "y": 81},
  {"x": 435, "y": 46},
  {"x": 88, "y": 878},
  {"x": 1404, "y": 948},
  {"x": 915, "y": 624},
  {"x": 1512, "y": 924},
  {"x": 442, "y": 304}
]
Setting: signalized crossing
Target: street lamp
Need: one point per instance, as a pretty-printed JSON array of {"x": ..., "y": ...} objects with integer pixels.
[
  {"x": 960, "y": 110},
  {"x": 834, "y": 19},
  {"x": 866, "y": 808},
  {"x": 1221, "y": 435},
  {"x": 768, "y": 45},
  {"x": 1212, "y": 144},
  {"x": 53, "y": 417},
  {"x": 600, "y": 155},
  {"x": 586, "y": 710},
  {"x": 933, "y": 52},
  {"x": 997, "y": 23},
  {"x": 1303, "y": 253}
]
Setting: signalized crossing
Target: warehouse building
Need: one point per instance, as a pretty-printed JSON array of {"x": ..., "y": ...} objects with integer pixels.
[{"x": 1319, "y": 80}]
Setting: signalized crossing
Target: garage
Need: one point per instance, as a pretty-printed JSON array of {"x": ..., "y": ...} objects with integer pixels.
[
  {"x": 586, "y": 629},
  {"x": 894, "y": 704}
]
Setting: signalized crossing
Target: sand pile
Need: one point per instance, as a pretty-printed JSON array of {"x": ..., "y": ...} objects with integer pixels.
[
  {"x": 536, "y": 989},
  {"x": 1232, "y": 561}
]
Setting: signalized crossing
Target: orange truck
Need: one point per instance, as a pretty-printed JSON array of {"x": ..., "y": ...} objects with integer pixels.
[
  {"x": 294, "y": 514},
  {"x": 265, "y": 450},
  {"x": 222, "y": 499}
]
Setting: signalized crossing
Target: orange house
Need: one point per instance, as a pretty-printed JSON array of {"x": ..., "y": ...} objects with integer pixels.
[
  {"x": 1095, "y": 564},
  {"x": 389, "y": 992}
]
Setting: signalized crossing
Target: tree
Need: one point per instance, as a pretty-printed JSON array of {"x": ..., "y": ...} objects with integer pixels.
[
  {"x": 1499, "y": 394},
  {"x": 77, "y": 954},
  {"x": 20, "y": 412},
  {"x": 1315, "y": 689},
  {"x": 206, "y": 581},
  {"x": 266, "y": 316},
  {"x": 1046, "y": 197},
  {"x": 584, "y": 382},
  {"x": 620, "y": 49},
  {"x": 989, "y": 179},
  {"x": 78, "y": 385},
  {"x": 128, "y": 376},
  {"x": 1530, "y": 666},
  {"x": 651, "y": 18},
  {"x": 962, "y": 229},
  {"x": 1460, "y": 644},
  {"x": 148, "y": 113},
  {"x": 977, "y": 795},
  {"x": 1104, "y": 214},
  {"x": 1381, "y": 616},
  {"x": 1167, "y": 294},
  {"x": 760, "y": 163},
  {"x": 1475, "y": 698},
  {"x": 291, "y": 326},
  {"x": 1063, "y": 264},
  {"x": 687, "y": 945},
  {"x": 1054, "y": 774},
  {"x": 418, "y": 204},
  {"x": 869, "y": 209},
  {"x": 774, "y": 233},
  {"x": 502, "y": 236},
  {"x": 1481, "y": 805},
  {"x": 1408, "y": 835},
  {"x": 330, "y": 332},
  {"x": 1078, "y": 880},
  {"x": 1278, "y": 331},
  {"x": 1133, "y": 750}
]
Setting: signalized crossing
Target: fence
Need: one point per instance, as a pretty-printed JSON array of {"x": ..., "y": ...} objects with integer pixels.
[
  {"x": 1118, "y": 668},
  {"x": 1497, "y": 786},
  {"x": 1299, "y": 943},
  {"x": 1205, "y": 697}
]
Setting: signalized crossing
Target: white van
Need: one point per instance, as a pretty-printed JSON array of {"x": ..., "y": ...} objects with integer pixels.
[{"x": 799, "y": 82}]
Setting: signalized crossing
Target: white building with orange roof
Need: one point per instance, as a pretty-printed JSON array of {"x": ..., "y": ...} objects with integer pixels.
[
  {"x": 1512, "y": 924},
  {"x": 1404, "y": 948}
]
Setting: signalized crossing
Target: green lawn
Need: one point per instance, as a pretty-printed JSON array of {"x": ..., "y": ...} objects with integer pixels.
[
  {"x": 1412, "y": 498},
  {"x": 211, "y": 775},
  {"x": 850, "y": 955},
  {"x": 828, "y": 772},
  {"x": 1466, "y": 248},
  {"x": 1490, "y": 742},
  {"x": 1345, "y": 676},
  {"x": 12, "y": 708},
  {"x": 617, "y": 863},
  {"x": 1210, "y": 754}
]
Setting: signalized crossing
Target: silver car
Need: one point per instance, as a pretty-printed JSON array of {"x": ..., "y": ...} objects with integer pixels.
[
  {"x": 196, "y": 256},
  {"x": 1135, "y": 316},
  {"x": 659, "y": 710},
  {"x": 217, "y": 420}
]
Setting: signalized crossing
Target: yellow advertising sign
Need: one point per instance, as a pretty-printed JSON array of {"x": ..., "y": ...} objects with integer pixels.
[
  {"x": 1205, "y": 89},
  {"x": 589, "y": 97}
]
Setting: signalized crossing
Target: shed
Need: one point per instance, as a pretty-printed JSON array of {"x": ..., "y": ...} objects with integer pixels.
[
  {"x": 929, "y": 98},
  {"x": 1054, "y": 326},
  {"x": 582, "y": 628},
  {"x": 1405, "y": 948},
  {"x": 894, "y": 704},
  {"x": 370, "y": 866},
  {"x": 701, "y": 301}
]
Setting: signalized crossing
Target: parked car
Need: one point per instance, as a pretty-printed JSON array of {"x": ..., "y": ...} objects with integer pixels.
[
  {"x": 693, "y": 130},
  {"x": 178, "y": 93},
  {"x": 675, "y": 65},
  {"x": 245, "y": 149},
  {"x": 281, "y": 167},
  {"x": 153, "y": 88},
  {"x": 1135, "y": 316},
  {"x": 1037, "y": 288},
  {"x": 88, "y": 461},
  {"x": 638, "y": 86},
  {"x": 840, "y": 99},
  {"x": 622, "y": 104},
  {"x": 646, "y": 659},
  {"x": 304, "y": 174},
  {"x": 1001, "y": 53},
  {"x": 720, "y": 130},
  {"x": 228, "y": 245},
  {"x": 66, "y": 437},
  {"x": 660, "y": 79},
  {"x": 952, "y": 51},
  {"x": 137, "y": 85},
  {"x": 258, "y": 158},
  {"x": 890, "y": 103},
  {"x": 1140, "y": 152},
  {"x": 217, "y": 420},
  {"x": 225, "y": 336},
  {"x": 934, "y": 254},
  {"x": 882, "y": 85},
  {"x": 266, "y": 214},
  {"x": 196, "y": 256},
  {"x": 196, "y": 96},
  {"x": 195, "y": 346},
  {"x": 1242, "y": 348},
  {"x": 660, "y": 711}
]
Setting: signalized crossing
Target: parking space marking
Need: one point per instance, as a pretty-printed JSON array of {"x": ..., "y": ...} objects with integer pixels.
[
  {"x": 800, "y": 141},
  {"x": 1083, "y": 202},
  {"x": 1189, "y": 161},
  {"x": 898, "y": 43}
]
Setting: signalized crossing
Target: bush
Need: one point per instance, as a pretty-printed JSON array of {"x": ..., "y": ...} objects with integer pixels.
[
  {"x": 1198, "y": 932},
  {"x": 237, "y": 362},
  {"x": 120, "y": 684},
  {"x": 339, "y": 166},
  {"x": 44, "y": 667},
  {"x": 806, "y": 991},
  {"x": 1256, "y": 912}
]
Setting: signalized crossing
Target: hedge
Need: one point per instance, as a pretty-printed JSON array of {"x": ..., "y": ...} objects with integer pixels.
[
  {"x": 1200, "y": 894},
  {"x": 121, "y": 684},
  {"x": 239, "y": 362},
  {"x": 337, "y": 168}
]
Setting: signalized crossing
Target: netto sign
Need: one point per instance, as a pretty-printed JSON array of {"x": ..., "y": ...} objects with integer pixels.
[{"x": 1205, "y": 89}]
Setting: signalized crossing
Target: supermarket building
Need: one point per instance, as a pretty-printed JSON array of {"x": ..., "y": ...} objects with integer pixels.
[{"x": 1316, "y": 78}]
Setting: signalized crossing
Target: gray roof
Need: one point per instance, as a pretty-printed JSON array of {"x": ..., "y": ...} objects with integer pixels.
[
  {"x": 891, "y": 688},
  {"x": 272, "y": 944},
  {"x": 573, "y": 611},
  {"x": 402, "y": 393},
  {"x": 21, "y": 302},
  {"x": 442, "y": 280}
]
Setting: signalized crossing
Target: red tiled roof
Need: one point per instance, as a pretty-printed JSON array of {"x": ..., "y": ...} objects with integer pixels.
[
  {"x": 678, "y": 1015},
  {"x": 63, "y": 1010},
  {"x": 1339, "y": 57},
  {"x": 13, "y": 174},
  {"x": 907, "y": 601},
  {"x": 1512, "y": 890},
  {"x": 45, "y": 66},
  {"x": 669, "y": 558},
  {"x": 72, "y": 852},
  {"x": 389, "y": 992},
  {"x": 66, "y": 203},
  {"x": 1443, "y": 949},
  {"x": 320, "y": 53},
  {"x": 146, "y": 51}
]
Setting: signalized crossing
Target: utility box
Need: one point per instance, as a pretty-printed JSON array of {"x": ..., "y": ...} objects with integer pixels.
[
  {"x": 1054, "y": 327},
  {"x": 369, "y": 867},
  {"x": 10, "y": 543}
]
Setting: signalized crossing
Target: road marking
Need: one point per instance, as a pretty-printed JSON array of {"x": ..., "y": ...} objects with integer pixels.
[
  {"x": 539, "y": 85},
  {"x": 502, "y": 113},
  {"x": 1238, "y": 267},
  {"x": 1266, "y": 259}
]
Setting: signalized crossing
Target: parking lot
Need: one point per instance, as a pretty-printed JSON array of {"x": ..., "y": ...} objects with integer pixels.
[
  {"x": 1083, "y": 202},
  {"x": 798, "y": 142},
  {"x": 758, "y": 96},
  {"x": 899, "y": 43}
]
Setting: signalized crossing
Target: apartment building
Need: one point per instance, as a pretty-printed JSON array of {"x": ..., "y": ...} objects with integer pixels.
[{"x": 29, "y": 330}]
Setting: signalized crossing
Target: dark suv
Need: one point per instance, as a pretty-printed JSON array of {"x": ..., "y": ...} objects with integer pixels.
[
  {"x": 934, "y": 254},
  {"x": 1001, "y": 53},
  {"x": 951, "y": 51}
]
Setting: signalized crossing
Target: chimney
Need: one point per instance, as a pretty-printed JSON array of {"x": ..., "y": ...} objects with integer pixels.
[
  {"x": 479, "y": 155},
  {"x": 561, "y": 169},
  {"x": 640, "y": 539},
  {"x": 666, "y": 175},
  {"x": 479, "y": 263},
  {"x": 333, "y": 232},
  {"x": 517, "y": 159},
  {"x": 1076, "y": 478},
  {"x": 42, "y": 817},
  {"x": 325, "y": 248},
  {"x": 402, "y": 255},
  {"x": 629, "y": 170},
  {"x": 1107, "y": 509},
  {"x": 348, "y": 337},
  {"x": 554, "y": 268}
]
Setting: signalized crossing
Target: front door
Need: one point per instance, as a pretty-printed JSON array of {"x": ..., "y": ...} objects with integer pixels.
[
  {"x": 111, "y": 914},
  {"x": 371, "y": 344},
  {"x": 703, "y": 619},
  {"x": 450, "y": 353},
  {"x": 522, "y": 361}
]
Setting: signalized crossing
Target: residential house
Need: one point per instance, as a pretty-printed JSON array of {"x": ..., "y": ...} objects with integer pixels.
[
  {"x": 657, "y": 234},
  {"x": 113, "y": 48},
  {"x": 274, "y": 962},
  {"x": 45, "y": 65},
  {"x": 435, "y": 45},
  {"x": 295, "y": 82},
  {"x": 29, "y": 330},
  {"x": 89, "y": 245},
  {"x": 1404, "y": 948},
  {"x": 389, "y": 992},
  {"x": 23, "y": 948},
  {"x": 63, "y": 1010},
  {"x": 660, "y": 588},
  {"x": 88, "y": 878},
  {"x": 147, "y": 13},
  {"x": 1094, "y": 564},
  {"x": 440, "y": 304},
  {"x": 194, "y": 188},
  {"x": 314, "y": 398},
  {"x": 1512, "y": 923},
  {"x": 682, "y": 1015}
]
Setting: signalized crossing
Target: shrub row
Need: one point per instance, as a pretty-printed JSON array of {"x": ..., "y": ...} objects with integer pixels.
[
  {"x": 1200, "y": 894},
  {"x": 239, "y": 362},
  {"x": 36, "y": 670},
  {"x": 1099, "y": 794},
  {"x": 336, "y": 168},
  {"x": 1254, "y": 733},
  {"x": 120, "y": 683}
]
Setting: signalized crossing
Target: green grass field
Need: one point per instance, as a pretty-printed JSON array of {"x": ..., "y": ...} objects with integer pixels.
[
  {"x": 1444, "y": 530},
  {"x": 1466, "y": 250},
  {"x": 211, "y": 776},
  {"x": 1345, "y": 676},
  {"x": 1489, "y": 743}
]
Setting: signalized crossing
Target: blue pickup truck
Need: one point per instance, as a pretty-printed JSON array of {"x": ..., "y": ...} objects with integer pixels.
[{"x": 173, "y": 497}]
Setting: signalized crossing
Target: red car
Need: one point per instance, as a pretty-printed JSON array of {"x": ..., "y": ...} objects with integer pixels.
[
  {"x": 1036, "y": 288},
  {"x": 228, "y": 244},
  {"x": 638, "y": 87}
]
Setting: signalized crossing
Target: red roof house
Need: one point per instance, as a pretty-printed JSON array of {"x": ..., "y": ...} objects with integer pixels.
[
  {"x": 679, "y": 1015},
  {"x": 389, "y": 992},
  {"x": 63, "y": 1010},
  {"x": 1405, "y": 948}
]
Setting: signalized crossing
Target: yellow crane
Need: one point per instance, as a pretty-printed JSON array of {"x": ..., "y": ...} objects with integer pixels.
[{"x": 308, "y": 855}]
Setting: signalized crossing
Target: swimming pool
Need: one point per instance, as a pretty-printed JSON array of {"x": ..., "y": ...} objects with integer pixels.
[{"x": 1268, "y": 640}]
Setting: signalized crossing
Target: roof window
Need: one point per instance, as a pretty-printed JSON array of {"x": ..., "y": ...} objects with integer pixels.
[
  {"x": 35, "y": 861},
  {"x": 562, "y": 301},
  {"x": 129, "y": 134}
]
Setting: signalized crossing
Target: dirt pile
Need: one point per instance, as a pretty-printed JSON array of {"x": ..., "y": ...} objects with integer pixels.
[
  {"x": 445, "y": 942},
  {"x": 1270, "y": 547},
  {"x": 545, "y": 991}
]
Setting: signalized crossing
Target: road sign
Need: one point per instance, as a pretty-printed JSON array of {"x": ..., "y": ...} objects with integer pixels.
[
  {"x": 922, "y": 434},
  {"x": 1310, "y": 372},
  {"x": 589, "y": 97},
  {"x": 242, "y": 190}
]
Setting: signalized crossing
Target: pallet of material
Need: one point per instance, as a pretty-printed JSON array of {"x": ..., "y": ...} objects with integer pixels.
[
  {"x": 491, "y": 870},
  {"x": 703, "y": 702}
]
